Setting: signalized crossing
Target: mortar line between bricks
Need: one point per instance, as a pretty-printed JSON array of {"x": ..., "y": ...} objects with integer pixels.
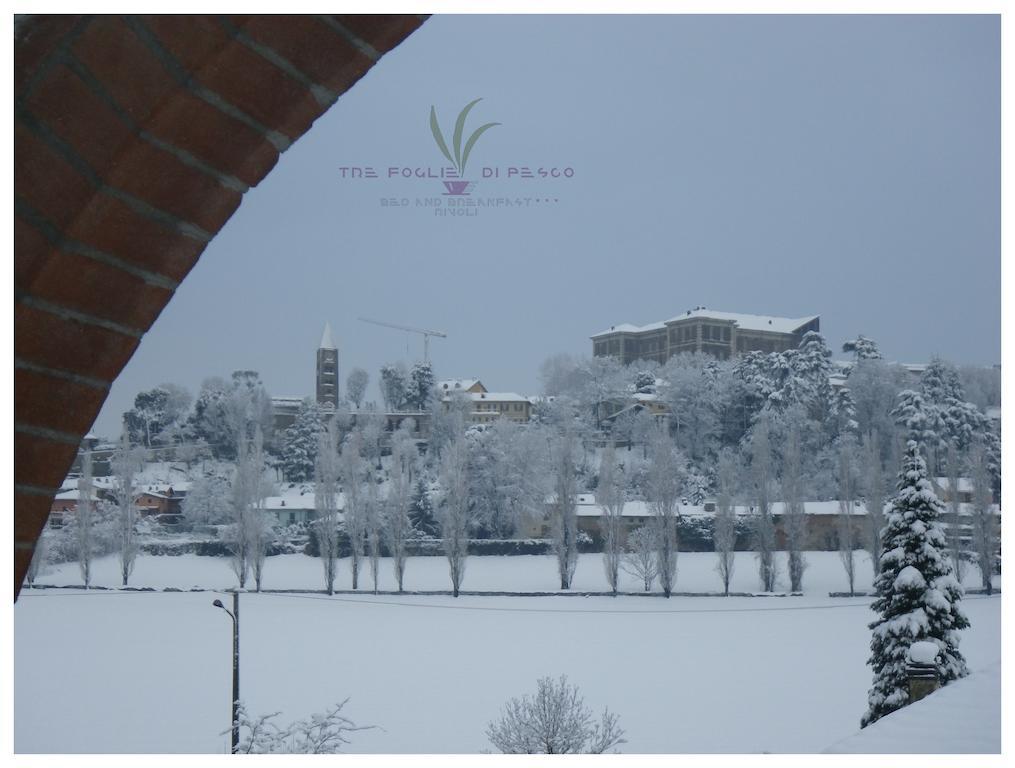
[
  {"x": 48, "y": 434},
  {"x": 48, "y": 230},
  {"x": 58, "y": 145},
  {"x": 56, "y": 373},
  {"x": 322, "y": 94},
  {"x": 95, "y": 86},
  {"x": 65, "y": 313},
  {"x": 52, "y": 58},
  {"x": 280, "y": 141},
  {"x": 35, "y": 490},
  {"x": 358, "y": 43}
]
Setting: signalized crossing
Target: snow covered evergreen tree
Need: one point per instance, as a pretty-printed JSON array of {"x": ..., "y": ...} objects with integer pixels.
[
  {"x": 918, "y": 597},
  {"x": 862, "y": 348},
  {"x": 420, "y": 385},
  {"x": 421, "y": 511},
  {"x": 300, "y": 442}
]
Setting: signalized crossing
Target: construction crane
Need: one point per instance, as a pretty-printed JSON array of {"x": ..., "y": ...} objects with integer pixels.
[{"x": 425, "y": 333}]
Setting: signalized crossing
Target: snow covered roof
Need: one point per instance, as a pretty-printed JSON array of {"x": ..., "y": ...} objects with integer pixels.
[
  {"x": 296, "y": 496},
  {"x": 747, "y": 322},
  {"x": 587, "y": 507},
  {"x": 511, "y": 397},
  {"x": 964, "y": 717},
  {"x": 72, "y": 495},
  {"x": 326, "y": 341},
  {"x": 450, "y": 385}
]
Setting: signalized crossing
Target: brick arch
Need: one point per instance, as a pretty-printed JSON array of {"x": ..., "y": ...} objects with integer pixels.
[{"x": 135, "y": 140}]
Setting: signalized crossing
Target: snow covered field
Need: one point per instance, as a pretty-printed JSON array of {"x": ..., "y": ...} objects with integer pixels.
[{"x": 151, "y": 672}]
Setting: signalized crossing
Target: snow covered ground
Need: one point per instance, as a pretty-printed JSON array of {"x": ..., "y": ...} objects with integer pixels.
[
  {"x": 523, "y": 573},
  {"x": 151, "y": 672}
]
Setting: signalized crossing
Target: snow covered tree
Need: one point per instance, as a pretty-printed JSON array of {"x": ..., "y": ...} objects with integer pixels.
[
  {"x": 84, "y": 519},
  {"x": 874, "y": 386},
  {"x": 872, "y": 486},
  {"x": 209, "y": 500},
  {"x": 763, "y": 524},
  {"x": 845, "y": 527},
  {"x": 724, "y": 535},
  {"x": 644, "y": 381},
  {"x": 610, "y": 498},
  {"x": 351, "y": 469},
  {"x": 149, "y": 416},
  {"x": 986, "y": 539},
  {"x": 955, "y": 529},
  {"x": 453, "y": 509},
  {"x": 394, "y": 386},
  {"x": 395, "y": 517},
  {"x": 690, "y": 393},
  {"x": 356, "y": 386},
  {"x": 326, "y": 527},
  {"x": 862, "y": 348},
  {"x": 124, "y": 462},
  {"x": 553, "y": 722},
  {"x": 448, "y": 421},
  {"x": 40, "y": 557},
  {"x": 794, "y": 519},
  {"x": 372, "y": 527},
  {"x": 258, "y": 526},
  {"x": 843, "y": 413},
  {"x": 421, "y": 510},
  {"x": 321, "y": 734},
  {"x": 811, "y": 366},
  {"x": 420, "y": 385},
  {"x": 918, "y": 597},
  {"x": 914, "y": 417},
  {"x": 662, "y": 490},
  {"x": 300, "y": 442},
  {"x": 640, "y": 557},
  {"x": 563, "y": 508},
  {"x": 604, "y": 381}
]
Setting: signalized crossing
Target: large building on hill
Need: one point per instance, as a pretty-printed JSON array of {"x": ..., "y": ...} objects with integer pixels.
[{"x": 720, "y": 334}]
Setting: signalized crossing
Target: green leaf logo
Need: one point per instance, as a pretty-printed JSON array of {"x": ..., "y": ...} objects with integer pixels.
[{"x": 460, "y": 156}]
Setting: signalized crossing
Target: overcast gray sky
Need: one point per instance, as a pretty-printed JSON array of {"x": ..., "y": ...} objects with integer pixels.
[{"x": 841, "y": 166}]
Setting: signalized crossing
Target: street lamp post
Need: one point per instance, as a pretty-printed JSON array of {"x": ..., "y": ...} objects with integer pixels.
[{"x": 234, "y": 614}]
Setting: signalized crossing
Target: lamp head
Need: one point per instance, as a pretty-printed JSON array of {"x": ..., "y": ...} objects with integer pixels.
[{"x": 218, "y": 604}]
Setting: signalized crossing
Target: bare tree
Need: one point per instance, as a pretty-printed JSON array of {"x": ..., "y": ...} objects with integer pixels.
[
  {"x": 239, "y": 535},
  {"x": 124, "y": 462},
  {"x": 845, "y": 527},
  {"x": 351, "y": 462},
  {"x": 553, "y": 722},
  {"x": 356, "y": 385},
  {"x": 453, "y": 509},
  {"x": 955, "y": 528},
  {"x": 563, "y": 509},
  {"x": 397, "y": 527},
  {"x": 662, "y": 488},
  {"x": 873, "y": 488},
  {"x": 259, "y": 529},
  {"x": 763, "y": 533},
  {"x": 84, "y": 519},
  {"x": 724, "y": 536},
  {"x": 372, "y": 523},
  {"x": 326, "y": 503},
  {"x": 640, "y": 558},
  {"x": 610, "y": 498},
  {"x": 986, "y": 529},
  {"x": 794, "y": 520}
]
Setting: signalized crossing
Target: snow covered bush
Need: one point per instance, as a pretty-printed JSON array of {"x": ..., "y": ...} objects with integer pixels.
[
  {"x": 553, "y": 722},
  {"x": 320, "y": 734},
  {"x": 918, "y": 597}
]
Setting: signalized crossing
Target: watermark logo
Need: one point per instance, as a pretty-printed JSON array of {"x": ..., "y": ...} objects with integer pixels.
[{"x": 460, "y": 186}]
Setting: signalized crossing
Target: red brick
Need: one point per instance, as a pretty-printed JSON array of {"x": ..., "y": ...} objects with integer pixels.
[
  {"x": 46, "y": 401},
  {"x": 61, "y": 99},
  {"x": 383, "y": 32},
  {"x": 40, "y": 461},
  {"x": 132, "y": 74},
  {"x": 165, "y": 182},
  {"x": 39, "y": 36},
  {"x": 314, "y": 48},
  {"x": 226, "y": 144},
  {"x": 111, "y": 226},
  {"x": 43, "y": 338},
  {"x": 237, "y": 74},
  {"x": 97, "y": 289},
  {"x": 30, "y": 515},
  {"x": 46, "y": 181}
]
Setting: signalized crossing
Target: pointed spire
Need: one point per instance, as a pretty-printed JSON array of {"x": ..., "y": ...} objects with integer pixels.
[{"x": 326, "y": 342}]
